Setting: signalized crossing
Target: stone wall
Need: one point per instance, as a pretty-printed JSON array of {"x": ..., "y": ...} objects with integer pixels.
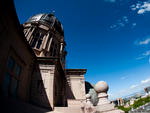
[
  {"x": 14, "y": 48},
  {"x": 77, "y": 82},
  {"x": 48, "y": 84}
]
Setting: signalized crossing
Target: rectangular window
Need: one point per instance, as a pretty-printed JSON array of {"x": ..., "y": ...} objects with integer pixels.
[
  {"x": 10, "y": 63},
  {"x": 11, "y": 78},
  {"x": 17, "y": 70},
  {"x": 33, "y": 41},
  {"x": 6, "y": 84},
  {"x": 13, "y": 87},
  {"x": 39, "y": 44}
]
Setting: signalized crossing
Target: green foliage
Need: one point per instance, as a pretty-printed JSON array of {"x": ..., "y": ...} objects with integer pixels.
[
  {"x": 141, "y": 102},
  {"x": 138, "y": 103},
  {"x": 124, "y": 109}
]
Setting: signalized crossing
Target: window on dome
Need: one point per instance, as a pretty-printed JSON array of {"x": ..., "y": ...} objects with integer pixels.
[
  {"x": 37, "y": 40},
  {"x": 49, "y": 19},
  {"x": 33, "y": 41},
  {"x": 52, "y": 47},
  {"x": 40, "y": 39}
]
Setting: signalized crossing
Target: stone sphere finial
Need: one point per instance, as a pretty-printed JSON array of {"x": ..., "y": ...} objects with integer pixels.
[
  {"x": 88, "y": 96},
  {"x": 101, "y": 86}
]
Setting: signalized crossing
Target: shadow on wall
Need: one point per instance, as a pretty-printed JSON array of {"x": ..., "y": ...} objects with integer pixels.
[
  {"x": 60, "y": 99},
  {"x": 69, "y": 92},
  {"x": 90, "y": 90},
  {"x": 38, "y": 95},
  {"x": 88, "y": 86},
  {"x": 11, "y": 24}
]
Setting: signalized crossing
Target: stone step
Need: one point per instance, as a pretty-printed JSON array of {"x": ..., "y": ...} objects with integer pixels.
[
  {"x": 68, "y": 109},
  {"x": 75, "y": 103}
]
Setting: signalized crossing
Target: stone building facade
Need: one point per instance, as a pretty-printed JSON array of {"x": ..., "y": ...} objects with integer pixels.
[
  {"x": 16, "y": 56},
  {"x": 76, "y": 83},
  {"x": 45, "y": 35},
  {"x": 32, "y": 61}
]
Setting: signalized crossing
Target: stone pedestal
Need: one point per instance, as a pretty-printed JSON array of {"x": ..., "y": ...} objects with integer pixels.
[
  {"x": 104, "y": 105},
  {"x": 88, "y": 106}
]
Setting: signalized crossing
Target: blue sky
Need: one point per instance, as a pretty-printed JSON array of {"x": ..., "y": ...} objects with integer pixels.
[{"x": 110, "y": 38}]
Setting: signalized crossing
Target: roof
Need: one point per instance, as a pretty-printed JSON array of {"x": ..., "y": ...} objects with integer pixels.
[
  {"x": 48, "y": 19},
  {"x": 75, "y": 71}
]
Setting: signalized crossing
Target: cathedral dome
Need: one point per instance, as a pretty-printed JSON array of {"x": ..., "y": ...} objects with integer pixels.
[{"x": 48, "y": 19}]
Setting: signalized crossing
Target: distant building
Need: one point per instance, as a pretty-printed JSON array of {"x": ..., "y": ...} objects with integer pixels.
[
  {"x": 132, "y": 101},
  {"x": 119, "y": 102},
  {"x": 45, "y": 35},
  {"x": 147, "y": 90}
]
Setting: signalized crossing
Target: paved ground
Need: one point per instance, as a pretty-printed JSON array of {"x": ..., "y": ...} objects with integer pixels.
[{"x": 12, "y": 106}]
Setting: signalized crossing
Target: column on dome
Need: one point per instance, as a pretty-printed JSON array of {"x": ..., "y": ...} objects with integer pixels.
[
  {"x": 61, "y": 47},
  {"x": 49, "y": 44},
  {"x": 30, "y": 35},
  {"x": 28, "y": 31},
  {"x": 45, "y": 40}
]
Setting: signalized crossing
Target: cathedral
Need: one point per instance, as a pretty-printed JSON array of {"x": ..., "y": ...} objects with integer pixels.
[
  {"x": 33, "y": 73},
  {"x": 51, "y": 84},
  {"x": 33, "y": 59}
]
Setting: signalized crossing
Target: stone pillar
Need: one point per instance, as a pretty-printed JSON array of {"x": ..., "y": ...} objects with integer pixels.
[
  {"x": 29, "y": 35},
  {"x": 61, "y": 48},
  {"x": 45, "y": 41},
  {"x": 118, "y": 102},
  {"x": 27, "y": 32},
  {"x": 104, "y": 105},
  {"x": 49, "y": 45}
]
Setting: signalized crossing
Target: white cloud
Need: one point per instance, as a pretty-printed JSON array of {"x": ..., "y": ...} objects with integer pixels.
[
  {"x": 132, "y": 89},
  {"x": 141, "y": 11},
  {"x": 125, "y": 19},
  {"x": 144, "y": 42},
  {"x": 133, "y": 86},
  {"x": 120, "y": 23},
  {"x": 145, "y": 81},
  {"x": 110, "y": 1},
  {"x": 147, "y": 53},
  {"x": 113, "y": 26},
  {"x": 144, "y": 55},
  {"x": 141, "y": 7},
  {"x": 139, "y": 58},
  {"x": 123, "y": 78},
  {"x": 133, "y": 24},
  {"x": 110, "y": 94}
]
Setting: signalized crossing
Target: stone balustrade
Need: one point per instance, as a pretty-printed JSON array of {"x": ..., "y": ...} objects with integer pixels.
[{"x": 103, "y": 105}]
